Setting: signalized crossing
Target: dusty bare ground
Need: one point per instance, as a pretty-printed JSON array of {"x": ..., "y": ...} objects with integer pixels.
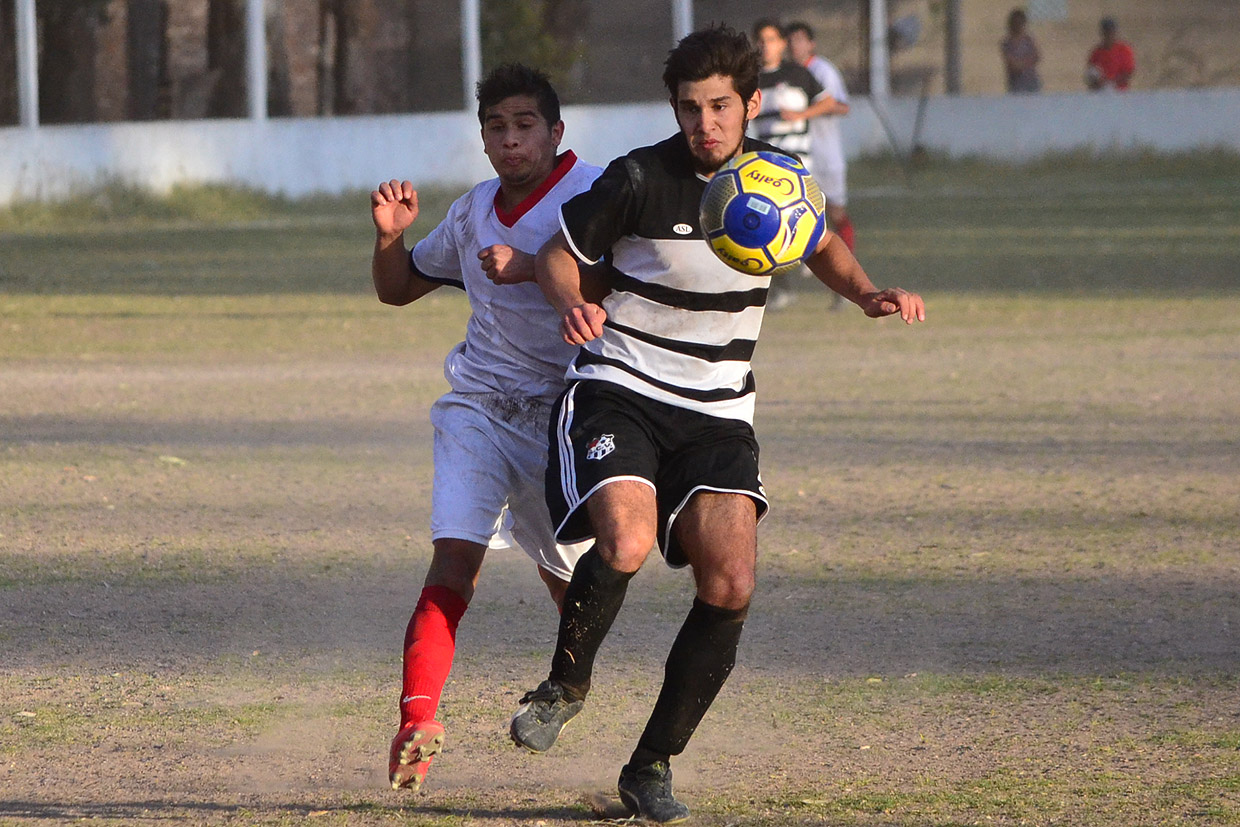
[{"x": 1007, "y": 604}]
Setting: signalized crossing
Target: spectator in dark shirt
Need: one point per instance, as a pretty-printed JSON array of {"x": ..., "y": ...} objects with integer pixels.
[{"x": 1020, "y": 55}]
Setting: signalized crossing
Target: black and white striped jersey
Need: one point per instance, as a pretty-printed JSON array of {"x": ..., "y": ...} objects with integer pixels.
[
  {"x": 791, "y": 87},
  {"x": 681, "y": 325}
]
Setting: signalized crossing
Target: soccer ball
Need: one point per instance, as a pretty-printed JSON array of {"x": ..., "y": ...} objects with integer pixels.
[{"x": 762, "y": 213}]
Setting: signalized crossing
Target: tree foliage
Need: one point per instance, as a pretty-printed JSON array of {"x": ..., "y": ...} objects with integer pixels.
[
  {"x": 545, "y": 34},
  {"x": 66, "y": 55}
]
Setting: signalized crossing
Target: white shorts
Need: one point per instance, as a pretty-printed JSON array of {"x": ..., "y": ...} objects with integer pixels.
[
  {"x": 830, "y": 171},
  {"x": 832, "y": 180},
  {"x": 490, "y": 467}
]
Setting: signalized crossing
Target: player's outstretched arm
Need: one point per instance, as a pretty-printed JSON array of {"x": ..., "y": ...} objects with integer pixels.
[
  {"x": 823, "y": 105},
  {"x": 559, "y": 277},
  {"x": 394, "y": 208},
  {"x": 836, "y": 267}
]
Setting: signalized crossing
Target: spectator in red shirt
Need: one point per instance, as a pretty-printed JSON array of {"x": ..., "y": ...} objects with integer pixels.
[{"x": 1112, "y": 61}]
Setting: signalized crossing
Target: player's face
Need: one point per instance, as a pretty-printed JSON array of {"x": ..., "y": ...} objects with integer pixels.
[
  {"x": 712, "y": 117},
  {"x": 772, "y": 45},
  {"x": 519, "y": 143},
  {"x": 801, "y": 47}
]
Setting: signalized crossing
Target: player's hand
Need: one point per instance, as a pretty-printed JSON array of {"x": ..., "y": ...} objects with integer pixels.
[
  {"x": 792, "y": 114},
  {"x": 583, "y": 323},
  {"x": 894, "y": 300},
  {"x": 505, "y": 265},
  {"x": 394, "y": 207}
]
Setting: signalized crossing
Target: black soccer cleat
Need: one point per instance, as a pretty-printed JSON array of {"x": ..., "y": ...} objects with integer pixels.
[
  {"x": 647, "y": 792},
  {"x": 542, "y": 715}
]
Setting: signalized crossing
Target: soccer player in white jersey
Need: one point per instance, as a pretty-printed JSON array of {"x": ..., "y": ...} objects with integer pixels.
[
  {"x": 653, "y": 441},
  {"x": 827, "y": 162},
  {"x": 490, "y": 448}
]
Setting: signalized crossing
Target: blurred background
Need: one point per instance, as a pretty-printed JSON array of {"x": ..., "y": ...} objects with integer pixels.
[
  {"x": 302, "y": 97},
  {"x": 115, "y": 60}
]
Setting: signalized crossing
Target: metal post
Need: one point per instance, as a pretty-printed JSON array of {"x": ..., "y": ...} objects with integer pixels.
[
  {"x": 256, "y": 58},
  {"x": 471, "y": 50},
  {"x": 682, "y": 19},
  {"x": 880, "y": 71},
  {"x": 952, "y": 47},
  {"x": 27, "y": 64}
]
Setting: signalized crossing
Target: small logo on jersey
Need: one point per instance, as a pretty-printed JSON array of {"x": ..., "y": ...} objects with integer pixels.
[
  {"x": 682, "y": 229},
  {"x": 601, "y": 446}
]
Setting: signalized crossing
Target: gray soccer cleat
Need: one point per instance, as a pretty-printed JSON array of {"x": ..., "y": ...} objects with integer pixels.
[
  {"x": 647, "y": 792},
  {"x": 542, "y": 715}
]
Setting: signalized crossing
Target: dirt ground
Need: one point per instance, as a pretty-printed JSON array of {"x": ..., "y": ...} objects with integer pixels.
[{"x": 978, "y": 608}]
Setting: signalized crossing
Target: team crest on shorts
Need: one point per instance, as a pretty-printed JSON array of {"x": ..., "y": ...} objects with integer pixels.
[{"x": 601, "y": 446}]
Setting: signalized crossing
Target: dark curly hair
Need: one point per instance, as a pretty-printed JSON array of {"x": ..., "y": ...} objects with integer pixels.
[{"x": 718, "y": 50}]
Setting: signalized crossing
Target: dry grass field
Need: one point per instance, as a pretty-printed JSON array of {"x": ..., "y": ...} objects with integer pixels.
[{"x": 999, "y": 584}]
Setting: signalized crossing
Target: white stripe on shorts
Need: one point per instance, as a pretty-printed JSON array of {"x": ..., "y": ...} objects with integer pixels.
[{"x": 564, "y": 444}]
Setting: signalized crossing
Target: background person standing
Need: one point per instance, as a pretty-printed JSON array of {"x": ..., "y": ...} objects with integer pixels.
[
  {"x": 1112, "y": 62},
  {"x": 826, "y": 142},
  {"x": 791, "y": 97},
  {"x": 1020, "y": 56}
]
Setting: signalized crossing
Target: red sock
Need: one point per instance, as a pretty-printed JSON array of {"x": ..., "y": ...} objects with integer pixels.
[
  {"x": 844, "y": 229},
  {"x": 430, "y": 643}
]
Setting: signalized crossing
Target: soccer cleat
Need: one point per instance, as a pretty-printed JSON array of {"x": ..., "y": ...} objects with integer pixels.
[
  {"x": 411, "y": 753},
  {"x": 542, "y": 715},
  {"x": 647, "y": 792}
]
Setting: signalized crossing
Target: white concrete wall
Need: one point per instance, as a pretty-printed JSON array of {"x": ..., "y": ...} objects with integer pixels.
[
  {"x": 1022, "y": 127},
  {"x": 301, "y": 156},
  {"x": 294, "y": 156}
]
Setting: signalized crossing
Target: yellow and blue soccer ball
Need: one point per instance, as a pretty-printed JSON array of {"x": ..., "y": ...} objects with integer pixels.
[{"x": 762, "y": 213}]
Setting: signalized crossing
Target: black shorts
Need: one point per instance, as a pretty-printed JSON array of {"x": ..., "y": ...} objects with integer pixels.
[{"x": 602, "y": 432}]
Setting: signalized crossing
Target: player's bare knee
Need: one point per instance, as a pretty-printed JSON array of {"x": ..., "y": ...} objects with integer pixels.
[
  {"x": 456, "y": 565},
  {"x": 625, "y": 544},
  {"x": 734, "y": 595},
  {"x": 728, "y": 585},
  {"x": 626, "y": 552}
]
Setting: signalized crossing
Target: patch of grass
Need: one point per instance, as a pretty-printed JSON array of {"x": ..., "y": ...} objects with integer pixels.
[
  {"x": 42, "y": 726},
  {"x": 1076, "y": 223},
  {"x": 196, "y": 241},
  {"x": 1056, "y": 171},
  {"x": 1005, "y": 796},
  {"x": 1199, "y": 739},
  {"x": 117, "y": 205}
]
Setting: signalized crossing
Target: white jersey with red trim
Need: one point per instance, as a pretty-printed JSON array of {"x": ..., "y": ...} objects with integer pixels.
[{"x": 512, "y": 342}]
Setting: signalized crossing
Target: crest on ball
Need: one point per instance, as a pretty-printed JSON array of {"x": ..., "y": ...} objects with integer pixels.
[{"x": 762, "y": 213}]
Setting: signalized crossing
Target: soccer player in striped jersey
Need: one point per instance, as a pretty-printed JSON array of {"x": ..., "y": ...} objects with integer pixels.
[
  {"x": 653, "y": 441},
  {"x": 490, "y": 449}
]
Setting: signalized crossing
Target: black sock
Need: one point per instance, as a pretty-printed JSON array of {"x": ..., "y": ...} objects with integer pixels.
[
  {"x": 591, "y": 604},
  {"x": 643, "y": 757},
  {"x": 700, "y": 661}
]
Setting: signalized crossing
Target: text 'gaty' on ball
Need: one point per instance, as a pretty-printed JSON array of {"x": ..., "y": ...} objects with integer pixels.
[{"x": 762, "y": 213}]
